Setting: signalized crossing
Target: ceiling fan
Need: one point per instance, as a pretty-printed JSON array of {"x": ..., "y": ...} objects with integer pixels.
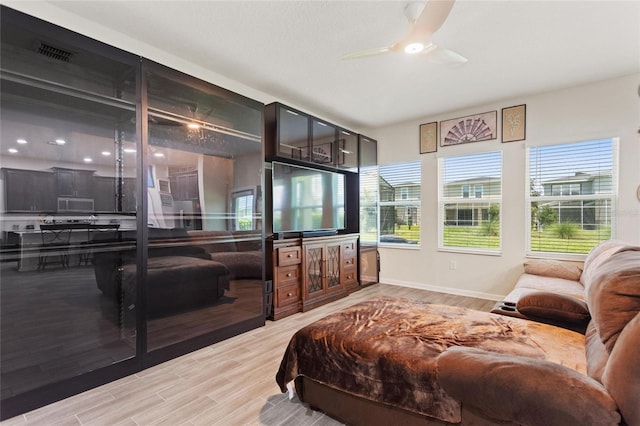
[{"x": 424, "y": 19}]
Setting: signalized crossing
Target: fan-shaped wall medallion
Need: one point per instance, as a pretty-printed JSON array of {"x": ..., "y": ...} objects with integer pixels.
[{"x": 475, "y": 128}]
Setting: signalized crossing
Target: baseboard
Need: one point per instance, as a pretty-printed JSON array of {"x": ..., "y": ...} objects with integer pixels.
[{"x": 447, "y": 290}]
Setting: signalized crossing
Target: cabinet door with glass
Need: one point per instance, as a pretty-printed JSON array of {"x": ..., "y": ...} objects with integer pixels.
[{"x": 68, "y": 111}]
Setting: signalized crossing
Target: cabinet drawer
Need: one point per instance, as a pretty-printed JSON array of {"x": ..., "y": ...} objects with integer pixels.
[
  {"x": 348, "y": 248},
  {"x": 349, "y": 262},
  {"x": 287, "y": 295},
  {"x": 350, "y": 276},
  {"x": 289, "y": 256},
  {"x": 288, "y": 275}
]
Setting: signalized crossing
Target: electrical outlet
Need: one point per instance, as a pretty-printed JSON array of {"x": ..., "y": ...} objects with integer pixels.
[{"x": 453, "y": 265}]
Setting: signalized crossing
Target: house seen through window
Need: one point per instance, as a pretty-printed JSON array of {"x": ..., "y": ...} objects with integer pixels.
[
  {"x": 570, "y": 196},
  {"x": 470, "y": 198},
  {"x": 400, "y": 203}
]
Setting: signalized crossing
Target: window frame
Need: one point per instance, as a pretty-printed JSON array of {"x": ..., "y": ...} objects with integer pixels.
[{"x": 612, "y": 197}]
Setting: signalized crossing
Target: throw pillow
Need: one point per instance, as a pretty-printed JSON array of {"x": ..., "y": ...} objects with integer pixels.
[
  {"x": 554, "y": 306},
  {"x": 552, "y": 268}
]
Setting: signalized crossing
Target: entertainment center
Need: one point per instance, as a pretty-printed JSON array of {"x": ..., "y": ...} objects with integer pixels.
[{"x": 312, "y": 256}]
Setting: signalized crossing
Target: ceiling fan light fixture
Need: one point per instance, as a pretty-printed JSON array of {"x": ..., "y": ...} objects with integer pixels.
[{"x": 413, "y": 48}]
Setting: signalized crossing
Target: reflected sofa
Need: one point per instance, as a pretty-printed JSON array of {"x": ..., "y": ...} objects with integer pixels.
[
  {"x": 397, "y": 361},
  {"x": 186, "y": 269}
]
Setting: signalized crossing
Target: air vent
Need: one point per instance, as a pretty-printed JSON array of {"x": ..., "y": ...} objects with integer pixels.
[{"x": 54, "y": 52}]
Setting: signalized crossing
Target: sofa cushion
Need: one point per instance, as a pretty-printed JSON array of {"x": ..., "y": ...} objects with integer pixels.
[
  {"x": 554, "y": 306},
  {"x": 553, "y": 268},
  {"x": 596, "y": 353},
  {"x": 596, "y": 256},
  {"x": 551, "y": 284},
  {"x": 524, "y": 390},
  {"x": 622, "y": 374},
  {"x": 613, "y": 294}
]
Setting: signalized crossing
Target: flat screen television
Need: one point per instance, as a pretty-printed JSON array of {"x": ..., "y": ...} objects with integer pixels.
[{"x": 307, "y": 199}]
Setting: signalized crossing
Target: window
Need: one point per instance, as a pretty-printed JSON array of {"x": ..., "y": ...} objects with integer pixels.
[
  {"x": 571, "y": 190},
  {"x": 466, "y": 222},
  {"x": 369, "y": 186},
  {"x": 243, "y": 202},
  {"x": 400, "y": 203},
  {"x": 478, "y": 190}
]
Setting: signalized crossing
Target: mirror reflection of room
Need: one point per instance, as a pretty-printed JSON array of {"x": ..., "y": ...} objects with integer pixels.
[{"x": 76, "y": 179}]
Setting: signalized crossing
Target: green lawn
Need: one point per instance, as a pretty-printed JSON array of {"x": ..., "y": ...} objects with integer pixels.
[
  {"x": 582, "y": 242},
  {"x": 469, "y": 236},
  {"x": 546, "y": 241}
]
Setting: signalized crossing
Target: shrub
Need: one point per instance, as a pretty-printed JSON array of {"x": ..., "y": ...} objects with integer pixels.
[{"x": 565, "y": 230}]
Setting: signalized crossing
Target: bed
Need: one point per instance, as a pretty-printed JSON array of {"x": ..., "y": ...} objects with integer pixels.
[{"x": 376, "y": 362}]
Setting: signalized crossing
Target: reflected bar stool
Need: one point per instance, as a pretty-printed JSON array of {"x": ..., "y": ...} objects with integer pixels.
[{"x": 55, "y": 243}]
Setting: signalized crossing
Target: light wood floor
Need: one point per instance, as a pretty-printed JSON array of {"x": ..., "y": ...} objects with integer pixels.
[{"x": 229, "y": 383}]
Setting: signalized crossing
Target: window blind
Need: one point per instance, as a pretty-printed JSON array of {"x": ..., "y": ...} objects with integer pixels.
[
  {"x": 571, "y": 190},
  {"x": 399, "y": 192},
  {"x": 469, "y": 201}
]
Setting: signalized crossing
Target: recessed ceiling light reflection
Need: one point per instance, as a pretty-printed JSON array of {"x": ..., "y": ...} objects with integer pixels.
[
  {"x": 13, "y": 151},
  {"x": 21, "y": 141},
  {"x": 88, "y": 159},
  {"x": 158, "y": 154},
  {"x": 193, "y": 126},
  {"x": 60, "y": 141},
  {"x": 106, "y": 153},
  {"x": 130, "y": 150}
]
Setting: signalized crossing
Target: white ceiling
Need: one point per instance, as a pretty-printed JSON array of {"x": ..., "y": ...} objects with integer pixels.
[{"x": 291, "y": 50}]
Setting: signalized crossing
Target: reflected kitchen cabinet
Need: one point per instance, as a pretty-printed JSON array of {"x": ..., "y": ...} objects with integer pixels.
[
  {"x": 74, "y": 183},
  {"x": 29, "y": 191}
]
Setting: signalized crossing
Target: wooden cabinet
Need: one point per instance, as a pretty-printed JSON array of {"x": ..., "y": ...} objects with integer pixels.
[
  {"x": 349, "y": 264},
  {"x": 295, "y": 135},
  {"x": 74, "y": 183},
  {"x": 285, "y": 260},
  {"x": 29, "y": 191},
  {"x": 309, "y": 272}
]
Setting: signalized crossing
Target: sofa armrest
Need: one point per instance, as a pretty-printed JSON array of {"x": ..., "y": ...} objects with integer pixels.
[
  {"x": 554, "y": 306},
  {"x": 523, "y": 390}
]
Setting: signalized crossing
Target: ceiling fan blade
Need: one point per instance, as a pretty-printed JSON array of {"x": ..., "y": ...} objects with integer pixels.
[
  {"x": 440, "y": 55},
  {"x": 431, "y": 18},
  {"x": 366, "y": 53}
]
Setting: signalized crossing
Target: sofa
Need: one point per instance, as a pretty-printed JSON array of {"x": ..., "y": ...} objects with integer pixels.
[
  {"x": 397, "y": 361},
  {"x": 185, "y": 269},
  {"x": 553, "y": 291}
]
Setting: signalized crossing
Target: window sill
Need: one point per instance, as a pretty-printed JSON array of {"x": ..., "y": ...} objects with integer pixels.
[
  {"x": 571, "y": 257},
  {"x": 399, "y": 246},
  {"x": 464, "y": 250}
]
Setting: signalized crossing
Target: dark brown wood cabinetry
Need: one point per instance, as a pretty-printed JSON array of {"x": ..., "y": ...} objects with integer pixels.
[
  {"x": 295, "y": 135},
  {"x": 29, "y": 191},
  {"x": 309, "y": 272},
  {"x": 74, "y": 183}
]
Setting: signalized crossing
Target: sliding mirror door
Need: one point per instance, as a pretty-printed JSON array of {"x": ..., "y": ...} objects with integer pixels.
[
  {"x": 204, "y": 278},
  {"x": 68, "y": 141}
]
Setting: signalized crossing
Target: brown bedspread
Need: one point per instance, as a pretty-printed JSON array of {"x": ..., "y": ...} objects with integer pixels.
[{"x": 386, "y": 350}]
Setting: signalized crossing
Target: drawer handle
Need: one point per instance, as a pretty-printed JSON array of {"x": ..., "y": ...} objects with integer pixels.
[
  {"x": 289, "y": 275},
  {"x": 348, "y": 262},
  {"x": 289, "y": 255},
  {"x": 348, "y": 277},
  {"x": 289, "y": 294}
]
